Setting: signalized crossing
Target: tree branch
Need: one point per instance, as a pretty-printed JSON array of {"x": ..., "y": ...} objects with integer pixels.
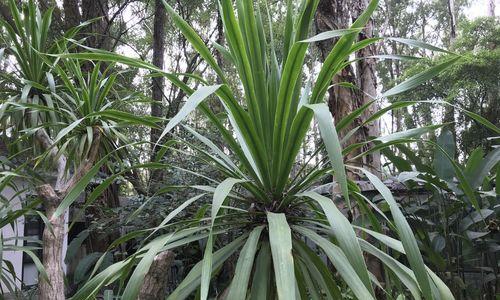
[
  {"x": 87, "y": 164},
  {"x": 47, "y": 144}
]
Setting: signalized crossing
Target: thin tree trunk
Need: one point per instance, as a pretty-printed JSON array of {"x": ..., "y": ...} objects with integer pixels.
[
  {"x": 97, "y": 33},
  {"x": 335, "y": 14},
  {"x": 53, "y": 242},
  {"x": 98, "y": 30},
  {"x": 451, "y": 12},
  {"x": 53, "y": 238},
  {"x": 72, "y": 15},
  {"x": 449, "y": 111},
  {"x": 367, "y": 82},
  {"x": 160, "y": 19},
  {"x": 491, "y": 8}
]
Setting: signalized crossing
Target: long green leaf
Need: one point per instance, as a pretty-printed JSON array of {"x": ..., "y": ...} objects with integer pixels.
[
  {"x": 135, "y": 281},
  {"x": 220, "y": 194},
  {"x": 193, "y": 278},
  {"x": 239, "y": 284},
  {"x": 420, "y": 78},
  {"x": 280, "y": 238},
  {"x": 405, "y": 234},
  {"x": 340, "y": 261},
  {"x": 191, "y": 104},
  {"x": 332, "y": 145},
  {"x": 345, "y": 235},
  {"x": 262, "y": 275},
  {"x": 198, "y": 44}
]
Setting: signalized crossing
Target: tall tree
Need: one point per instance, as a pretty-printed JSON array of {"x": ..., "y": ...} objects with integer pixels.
[
  {"x": 72, "y": 16},
  {"x": 367, "y": 82},
  {"x": 158, "y": 83},
  {"x": 342, "y": 99},
  {"x": 98, "y": 31}
]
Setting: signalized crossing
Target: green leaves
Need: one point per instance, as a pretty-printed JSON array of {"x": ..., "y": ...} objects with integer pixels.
[
  {"x": 442, "y": 165},
  {"x": 238, "y": 289},
  {"x": 332, "y": 145},
  {"x": 220, "y": 194},
  {"x": 191, "y": 104},
  {"x": 406, "y": 235},
  {"x": 281, "y": 248},
  {"x": 345, "y": 235},
  {"x": 267, "y": 120},
  {"x": 340, "y": 262},
  {"x": 194, "y": 39},
  {"x": 135, "y": 282},
  {"x": 420, "y": 78},
  {"x": 331, "y": 34}
]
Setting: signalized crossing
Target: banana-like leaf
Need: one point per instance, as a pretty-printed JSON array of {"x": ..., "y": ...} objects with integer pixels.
[{"x": 442, "y": 166}]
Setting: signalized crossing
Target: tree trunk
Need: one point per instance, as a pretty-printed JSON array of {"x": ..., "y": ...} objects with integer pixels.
[
  {"x": 451, "y": 12},
  {"x": 98, "y": 31},
  {"x": 72, "y": 15},
  {"x": 157, "y": 82},
  {"x": 367, "y": 82},
  {"x": 449, "y": 111},
  {"x": 491, "y": 8},
  {"x": 52, "y": 247},
  {"x": 156, "y": 280},
  {"x": 54, "y": 238},
  {"x": 335, "y": 14}
]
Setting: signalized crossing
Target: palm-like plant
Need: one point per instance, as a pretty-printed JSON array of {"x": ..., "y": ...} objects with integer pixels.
[
  {"x": 271, "y": 212},
  {"x": 68, "y": 118}
]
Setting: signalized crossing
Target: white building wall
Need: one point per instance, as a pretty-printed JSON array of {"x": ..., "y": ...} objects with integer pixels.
[
  {"x": 30, "y": 274},
  {"x": 8, "y": 231}
]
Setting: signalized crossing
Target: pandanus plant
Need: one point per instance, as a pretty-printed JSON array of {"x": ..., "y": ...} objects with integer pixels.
[{"x": 282, "y": 229}]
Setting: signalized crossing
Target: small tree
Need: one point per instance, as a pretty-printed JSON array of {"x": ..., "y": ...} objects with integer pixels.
[{"x": 67, "y": 118}]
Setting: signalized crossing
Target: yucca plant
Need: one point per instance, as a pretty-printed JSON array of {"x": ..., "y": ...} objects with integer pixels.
[{"x": 270, "y": 213}]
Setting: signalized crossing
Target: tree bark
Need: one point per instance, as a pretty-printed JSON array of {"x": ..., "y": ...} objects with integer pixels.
[
  {"x": 5, "y": 13},
  {"x": 72, "y": 15},
  {"x": 53, "y": 238},
  {"x": 367, "y": 82},
  {"x": 157, "y": 87},
  {"x": 453, "y": 25},
  {"x": 53, "y": 289},
  {"x": 449, "y": 111},
  {"x": 98, "y": 30},
  {"x": 156, "y": 280},
  {"x": 336, "y": 14}
]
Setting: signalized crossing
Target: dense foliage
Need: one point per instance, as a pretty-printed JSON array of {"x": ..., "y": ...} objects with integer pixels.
[{"x": 229, "y": 183}]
